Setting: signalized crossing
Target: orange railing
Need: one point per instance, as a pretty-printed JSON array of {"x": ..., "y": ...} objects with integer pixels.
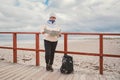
[{"x": 38, "y": 50}]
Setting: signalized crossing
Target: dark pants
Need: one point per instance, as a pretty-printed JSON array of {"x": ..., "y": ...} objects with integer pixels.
[{"x": 49, "y": 51}]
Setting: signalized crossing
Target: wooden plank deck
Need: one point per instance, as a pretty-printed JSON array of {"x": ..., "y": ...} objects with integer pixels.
[{"x": 12, "y": 71}]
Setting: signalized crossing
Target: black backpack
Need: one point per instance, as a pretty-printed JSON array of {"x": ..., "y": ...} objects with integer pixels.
[{"x": 67, "y": 64}]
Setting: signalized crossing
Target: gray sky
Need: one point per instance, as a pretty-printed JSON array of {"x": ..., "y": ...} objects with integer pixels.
[{"x": 72, "y": 15}]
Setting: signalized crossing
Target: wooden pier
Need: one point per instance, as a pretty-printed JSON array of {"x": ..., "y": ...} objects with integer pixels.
[{"x": 15, "y": 71}]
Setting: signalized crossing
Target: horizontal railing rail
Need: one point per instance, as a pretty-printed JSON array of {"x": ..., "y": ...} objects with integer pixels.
[{"x": 37, "y": 49}]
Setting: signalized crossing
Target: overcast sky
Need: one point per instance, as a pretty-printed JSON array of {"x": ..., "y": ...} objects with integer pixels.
[{"x": 72, "y": 15}]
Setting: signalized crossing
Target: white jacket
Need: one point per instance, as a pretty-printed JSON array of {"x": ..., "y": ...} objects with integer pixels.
[{"x": 50, "y": 27}]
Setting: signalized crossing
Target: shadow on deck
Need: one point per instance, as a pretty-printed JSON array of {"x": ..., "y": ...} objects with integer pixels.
[{"x": 12, "y": 71}]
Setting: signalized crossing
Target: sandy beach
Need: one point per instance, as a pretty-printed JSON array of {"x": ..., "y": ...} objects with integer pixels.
[{"x": 85, "y": 64}]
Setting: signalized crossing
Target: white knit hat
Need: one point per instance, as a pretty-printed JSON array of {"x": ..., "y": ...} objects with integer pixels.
[{"x": 52, "y": 14}]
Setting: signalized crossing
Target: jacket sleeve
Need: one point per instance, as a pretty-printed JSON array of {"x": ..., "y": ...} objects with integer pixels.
[{"x": 42, "y": 28}]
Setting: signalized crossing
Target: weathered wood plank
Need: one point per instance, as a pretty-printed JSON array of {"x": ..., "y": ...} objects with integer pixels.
[
  {"x": 62, "y": 77},
  {"x": 43, "y": 75},
  {"x": 52, "y": 75},
  {"x": 6, "y": 68},
  {"x": 3, "y": 65},
  {"x": 76, "y": 76},
  {"x": 28, "y": 73},
  {"x": 91, "y": 76},
  {"x": 69, "y": 77},
  {"x": 10, "y": 71},
  {"x": 13, "y": 72},
  {"x": 38, "y": 75},
  {"x": 39, "y": 69},
  {"x": 102, "y": 77},
  {"x": 22, "y": 72},
  {"x": 17, "y": 72}
]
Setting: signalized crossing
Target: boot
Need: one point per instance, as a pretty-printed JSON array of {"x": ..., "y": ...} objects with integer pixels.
[
  {"x": 47, "y": 67},
  {"x": 51, "y": 69}
]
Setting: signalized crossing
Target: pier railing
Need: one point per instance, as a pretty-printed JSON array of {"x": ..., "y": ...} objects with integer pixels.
[{"x": 65, "y": 51}]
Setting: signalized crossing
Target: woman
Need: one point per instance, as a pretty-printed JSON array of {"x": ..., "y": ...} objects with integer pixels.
[{"x": 51, "y": 33}]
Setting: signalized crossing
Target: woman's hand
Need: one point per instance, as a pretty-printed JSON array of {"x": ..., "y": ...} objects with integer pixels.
[
  {"x": 43, "y": 32},
  {"x": 60, "y": 35}
]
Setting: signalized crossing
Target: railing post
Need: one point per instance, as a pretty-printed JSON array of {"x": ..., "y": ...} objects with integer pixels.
[
  {"x": 37, "y": 49},
  {"x": 65, "y": 43},
  {"x": 101, "y": 54},
  {"x": 14, "y": 47}
]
